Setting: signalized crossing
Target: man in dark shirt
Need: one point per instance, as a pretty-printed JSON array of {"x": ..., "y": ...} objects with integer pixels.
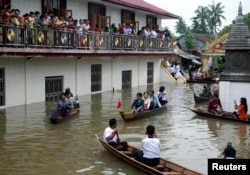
[{"x": 229, "y": 151}]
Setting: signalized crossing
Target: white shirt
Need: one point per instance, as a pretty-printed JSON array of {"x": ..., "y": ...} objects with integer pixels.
[
  {"x": 151, "y": 147},
  {"x": 107, "y": 132},
  {"x": 31, "y": 20},
  {"x": 164, "y": 96},
  {"x": 79, "y": 28}
]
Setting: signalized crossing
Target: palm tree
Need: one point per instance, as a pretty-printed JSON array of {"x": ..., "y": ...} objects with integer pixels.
[
  {"x": 200, "y": 20},
  {"x": 215, "y": 12}
]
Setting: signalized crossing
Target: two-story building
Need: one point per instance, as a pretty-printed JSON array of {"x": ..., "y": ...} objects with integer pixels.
[{"x": 36, "y": 64}]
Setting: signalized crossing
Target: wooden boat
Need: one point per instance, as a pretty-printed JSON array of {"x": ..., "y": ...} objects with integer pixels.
[
  {"x": 128, "y": 116},
  {"x": 202, "y": 80},
  {"x": 76, "y": 105},
  {"x": 199, "y": 99},
  {"x": 58, "y": 119},
  {"x": 165, "y": 167},
  {"x": 225, "y": 116}
]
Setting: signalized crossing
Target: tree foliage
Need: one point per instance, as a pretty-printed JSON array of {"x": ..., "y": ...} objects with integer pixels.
[
  {"x": 189, "y": 42},
  {"x": 208, "y": 19},
  {"x": 215, "y": 15},
  {"x": 199, "y": 21},
  {"x": 181, "y": 26},
  {"x": 226, "y": 29},
  {"x": 247, "y": 20}
]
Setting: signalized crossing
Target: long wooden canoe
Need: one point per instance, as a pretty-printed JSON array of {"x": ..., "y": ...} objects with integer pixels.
[
  {"x": 199, "y": 99},
  {"x": 58, "y": 119},
  {"x": 202, "y": 80},
  {"x": 128, "y": 116},
  {"x": 226, "y": 115},
  {"x": 165, "y": 167}
]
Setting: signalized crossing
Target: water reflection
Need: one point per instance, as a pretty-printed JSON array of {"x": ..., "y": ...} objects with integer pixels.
[{"x": 31, "y": 145}]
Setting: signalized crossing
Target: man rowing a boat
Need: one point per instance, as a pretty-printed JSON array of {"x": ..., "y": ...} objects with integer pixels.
[
  {"x": 111, "y": 136},
  {"x": 213, "y": 105}
]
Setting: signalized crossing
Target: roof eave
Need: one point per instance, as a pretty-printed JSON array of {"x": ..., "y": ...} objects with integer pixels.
[{"x": 168, "y": 15}]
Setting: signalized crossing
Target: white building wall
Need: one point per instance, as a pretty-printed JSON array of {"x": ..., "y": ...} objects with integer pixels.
[
  {"x": 114, "y": 13},
  {"x": 39, "y": 68},
  {"x": 233, "y": 90},
  {"x": 141, "y": 18},
  {"x": 79, "y": 8},
  {"x": 14, "y": 80},
  {"x": 25, "y": 78},
  {"x": 25, "y": 6}
]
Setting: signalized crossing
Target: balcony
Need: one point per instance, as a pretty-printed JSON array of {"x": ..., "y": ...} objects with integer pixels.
[{"x": 38, "y": 42}]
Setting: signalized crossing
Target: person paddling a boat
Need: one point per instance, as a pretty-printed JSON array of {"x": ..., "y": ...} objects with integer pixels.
[
  {"x": 151, "y": 148},
  {"x": 214, "y": 104},
  {"x": 111, "y": 136}
]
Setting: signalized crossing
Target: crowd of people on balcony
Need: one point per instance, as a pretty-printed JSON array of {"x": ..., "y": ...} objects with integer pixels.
[{"x": 35, "y": 19}]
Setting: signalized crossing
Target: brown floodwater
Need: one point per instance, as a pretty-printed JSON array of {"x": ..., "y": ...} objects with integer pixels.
[{"x": 30, "y": 145}]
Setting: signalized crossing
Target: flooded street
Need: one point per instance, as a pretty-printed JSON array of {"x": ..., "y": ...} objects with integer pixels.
[{"x": 30, "y": 145}]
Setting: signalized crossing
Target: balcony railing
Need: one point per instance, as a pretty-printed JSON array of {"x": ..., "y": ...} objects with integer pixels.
[{"x": 26, "y": 37}]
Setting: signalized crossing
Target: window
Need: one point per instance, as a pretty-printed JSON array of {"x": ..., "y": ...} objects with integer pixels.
[
  {"x": 127, "y": 17},
  {"x": 58, "y": 7},
  {"x": 2, "y": 86},
  {"x": 152, "y": 22},
  {"x": 126, "y": 79},
  {"x": 150, "y": 72},
  {"x": 53, "y": 87},
  {"x": 96, "y": 15},
  {"x": 54, "y": 3},
  {"x": 4, "y": 2},
  {"x": 96, "y": 77}
]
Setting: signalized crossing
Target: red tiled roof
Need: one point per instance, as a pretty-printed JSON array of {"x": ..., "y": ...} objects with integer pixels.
[{"x": 145, "y": 6}]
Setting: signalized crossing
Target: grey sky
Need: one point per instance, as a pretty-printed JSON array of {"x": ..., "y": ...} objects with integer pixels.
[{"x": 186, "y": 8}]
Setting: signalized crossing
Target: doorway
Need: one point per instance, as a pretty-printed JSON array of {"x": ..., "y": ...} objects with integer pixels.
[{"x": 126, "y": 79}]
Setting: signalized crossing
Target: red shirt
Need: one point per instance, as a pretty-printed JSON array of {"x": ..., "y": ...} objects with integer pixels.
[
  {"x": 242, "y": 112},
  {"x": 213, "y": 104}
]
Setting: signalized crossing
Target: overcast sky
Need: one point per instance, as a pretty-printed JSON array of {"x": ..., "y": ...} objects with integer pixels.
[{"x": 186, "y": 8}]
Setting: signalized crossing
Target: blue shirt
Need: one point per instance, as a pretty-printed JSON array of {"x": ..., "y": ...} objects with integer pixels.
[{"x": 155, "y": 99}]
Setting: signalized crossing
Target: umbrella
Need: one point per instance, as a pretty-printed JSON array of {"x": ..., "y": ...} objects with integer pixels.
[{"x": 196, "y": 61}]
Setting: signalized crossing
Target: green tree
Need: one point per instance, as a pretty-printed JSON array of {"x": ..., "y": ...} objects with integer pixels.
[
  {"x": 181, "y": 26},
  {"x": 220, "y": 62},
  {"x": 215, "y": 15},
  {"x": 199, "y": 24},
  {"x": 225, "y": 29},
  {"x": 189, "y": 42},
  {"x": 247, "y": 20}
]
